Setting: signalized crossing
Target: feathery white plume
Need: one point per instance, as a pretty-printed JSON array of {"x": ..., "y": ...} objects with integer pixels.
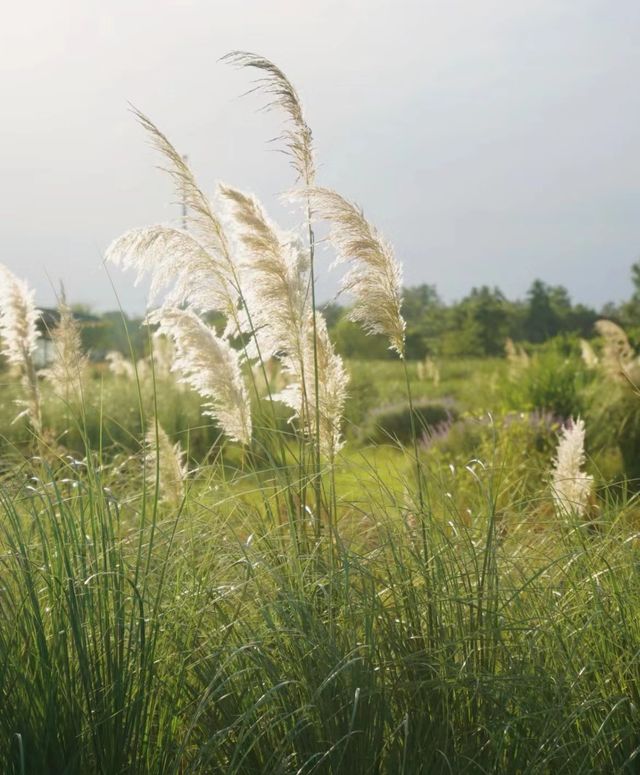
[
  {"x": 282, "y": 94},
  {"x": 275, "y": 277},
  {"x": 428, "y": 370},
  {"x": 201, "y": 218},
  {"x": 210, "y": 366},
  {"x": 164, "y": 354},
  {"x": 279, "y": 303},
  {"x": 571, "y": 485},
  {"x": 268, "y": 377},
  {"x": 516, "y": 356},
  {"x": 120, "y": 366},
  {"x": 375, "y": 277},
  {"x": 589, "y": 358},
  {"x": 67, "y": 371},
  {"x": 179, "y": 265},
  {"x": 18, "y": 318},
  {"x": 617, "y": 354},
  {"x": 300, "y": 394},
  {"x": 166, "y": 461},
  {"x": 19, "y": 338},
  {"x": 195, "y": 268}
]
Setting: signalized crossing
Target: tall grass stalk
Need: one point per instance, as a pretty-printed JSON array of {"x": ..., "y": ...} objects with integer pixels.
[{"x": 298, "y": 141}]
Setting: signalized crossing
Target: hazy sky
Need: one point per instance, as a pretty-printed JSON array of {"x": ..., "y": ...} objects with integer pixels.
[{"x": 491, "y": 140}]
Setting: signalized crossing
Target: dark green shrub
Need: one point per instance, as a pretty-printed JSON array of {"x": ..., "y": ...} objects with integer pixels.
[
  {"x": 551, "y": 383},
  {"x": 394, "y": 423},
  {"x": 613, "y": 420},
  {"x": 364, "y": 396}
]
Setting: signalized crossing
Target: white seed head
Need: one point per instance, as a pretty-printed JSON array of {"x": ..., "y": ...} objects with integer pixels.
[
  {"x": 19, "y": 339},
  {"x": 571, "y": 485},
  {"x": 300, "y": 395},
  {"x": 164, "y": 354},
  {"x": 517, "y": 357},
  {"x": 275, "y": 277},
  {"x": 165, "y": 465},
  {"x": 192, "y": 267},
  {"x": 617, "y": 354},
  {"x": 589, "y": 358},
  {"x": 278, "y": 297},
  {"x": 375, "y": 277},
  {"x": 18, "y": 318},
  {"x": 201, "y": 218},
  {"x": 120, "y": 366},
  {"x": 66, "y": 372},
  {"x": 211, "y": 367},
  {"x": 282, "y": 94},
  {"x": 179, "y": 266}
]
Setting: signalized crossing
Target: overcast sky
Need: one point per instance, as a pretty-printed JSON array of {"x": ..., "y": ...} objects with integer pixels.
[{"x": 492, "y": 141}]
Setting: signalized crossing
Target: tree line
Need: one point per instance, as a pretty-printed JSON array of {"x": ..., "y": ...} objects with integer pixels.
[
  {"x": 479, "y": 324},
  {"x": 476, "y": 325}
]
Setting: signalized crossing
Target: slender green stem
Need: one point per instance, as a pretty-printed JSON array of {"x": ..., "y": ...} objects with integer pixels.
[
  {"x": 316, "y": 375},
  {"x": 414, "y": 437}
]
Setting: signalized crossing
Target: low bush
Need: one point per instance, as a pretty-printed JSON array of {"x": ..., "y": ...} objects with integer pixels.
[
  {"x": 394, "y": 423},
  {"x": 551, "y": 383}
]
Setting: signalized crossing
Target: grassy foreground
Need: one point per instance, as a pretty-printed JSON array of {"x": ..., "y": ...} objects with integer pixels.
[{"x": 225, "y": 633}]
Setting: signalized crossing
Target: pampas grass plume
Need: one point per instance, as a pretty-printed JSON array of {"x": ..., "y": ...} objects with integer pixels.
[
  {"x": 277, "y": 273},
  {"x": 282, "y": 95},
  {"x": 589, "y": 358},
  {"x": 571, "y": 485},
  {"x": 67, "y": 371},
  {"x": 274, "y": 271},
  {"x": 163, "y": 353},
  {"x": 211, "y": 367},
  {"x": 375, "y": 277},
  {"x": 300, "y": 395},
  {"x": 120, "y": 366},
  {"x": 19, "y": 338},
  {"x": 617, "y": 354},
  {"x": 194, "y": 268},
  {"x": 165, "y": 465}
]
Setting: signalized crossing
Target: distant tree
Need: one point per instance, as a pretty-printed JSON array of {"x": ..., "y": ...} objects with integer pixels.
[
  {"x": 550, "y": 312},
  {"x": 427, "y": 318},
  {"x": 480, "y": 323},
  {"x": 629, "y": 312},
  {"x": 417, "y": 301},
  {"x": 581, "y": 319},
  {"x": 332, "y": 313},
  {"x": 541, "y": 321},
  {"x": 352, "y": 342},
  {"x": 610, "y": 310},
  {"x": 635, "y": 279},
  {"x": 115, "y": 331}
]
